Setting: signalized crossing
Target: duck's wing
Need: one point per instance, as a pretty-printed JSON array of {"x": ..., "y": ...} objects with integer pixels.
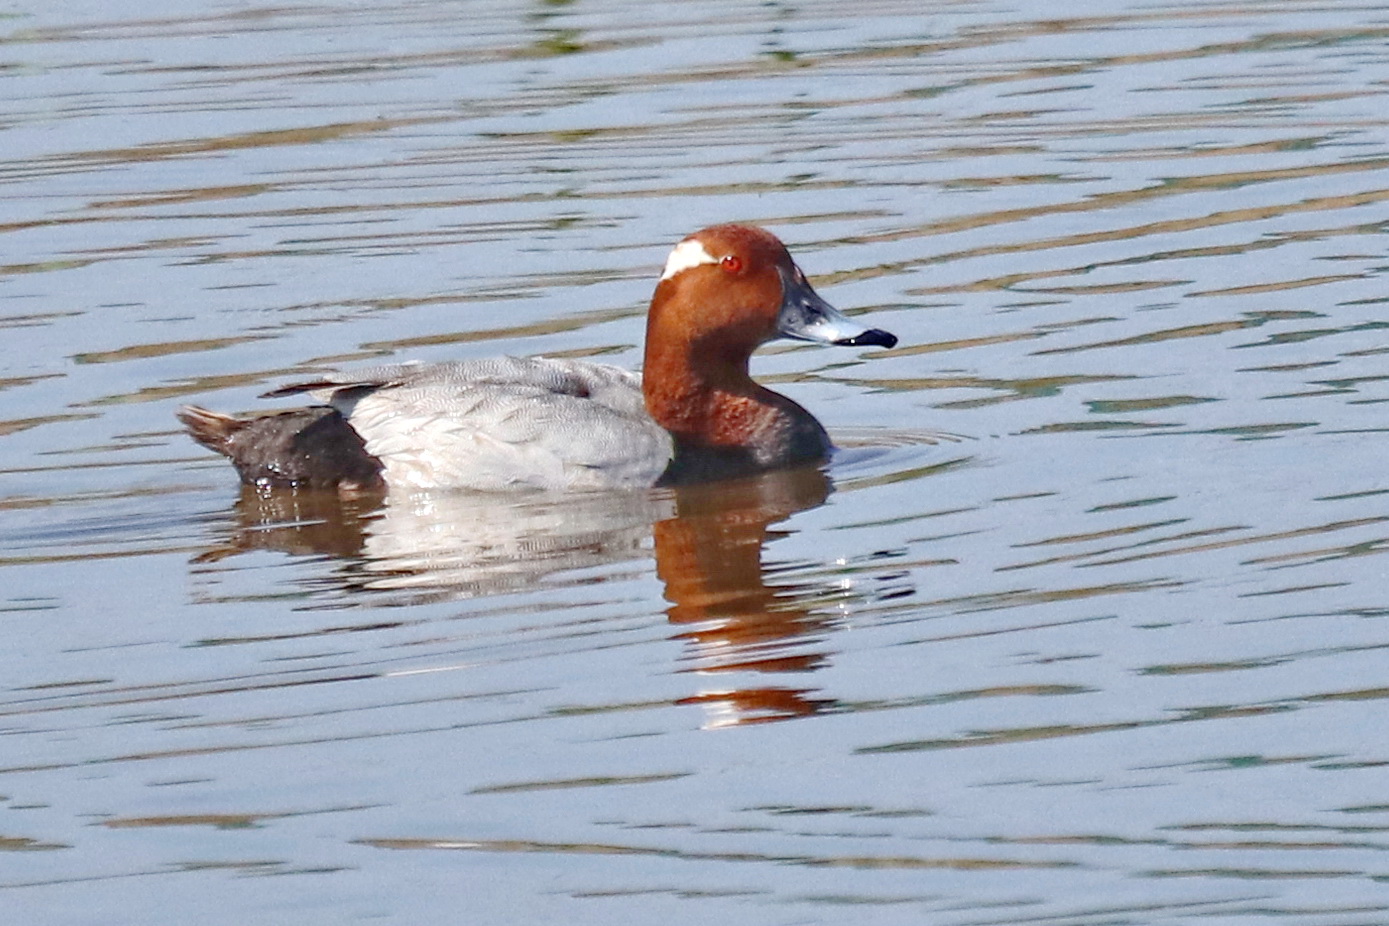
[
  {"x": 501, "y": 423},
  {"x": 326, "y": 387}
]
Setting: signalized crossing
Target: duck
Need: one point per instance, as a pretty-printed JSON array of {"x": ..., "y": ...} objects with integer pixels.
[{"x": 693, "y": 415}]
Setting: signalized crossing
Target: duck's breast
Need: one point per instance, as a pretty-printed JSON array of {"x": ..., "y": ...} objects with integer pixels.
[{"x": 505, "y": 423}]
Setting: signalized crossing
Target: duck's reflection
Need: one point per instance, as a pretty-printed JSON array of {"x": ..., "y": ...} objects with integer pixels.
[
  {"x": 709, "y": 555},
  {"x": 708, "y": 544},
  {"x": 447, "y": 545}
]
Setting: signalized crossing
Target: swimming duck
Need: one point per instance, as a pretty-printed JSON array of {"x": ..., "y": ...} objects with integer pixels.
[{"x": 693, "y": 415}]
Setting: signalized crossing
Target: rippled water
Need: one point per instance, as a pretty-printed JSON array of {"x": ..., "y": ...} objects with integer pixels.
[{"x": 1085, "y": 625}]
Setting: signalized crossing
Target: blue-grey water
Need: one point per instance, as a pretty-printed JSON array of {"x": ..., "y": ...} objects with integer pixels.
[{"x": 1086, "y": 624}]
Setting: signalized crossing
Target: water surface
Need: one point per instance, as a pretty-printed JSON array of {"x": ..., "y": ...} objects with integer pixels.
[{"x": 1085, "y": 624}]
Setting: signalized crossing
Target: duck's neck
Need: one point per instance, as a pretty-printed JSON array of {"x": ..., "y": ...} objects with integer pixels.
[{"x": 724, "y": 424}]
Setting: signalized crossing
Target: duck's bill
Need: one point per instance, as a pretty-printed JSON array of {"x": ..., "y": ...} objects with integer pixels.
[{"x": 804, "y": 316}]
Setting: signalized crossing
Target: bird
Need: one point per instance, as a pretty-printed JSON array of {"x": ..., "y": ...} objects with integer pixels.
[{"x": 693, "y": 414}]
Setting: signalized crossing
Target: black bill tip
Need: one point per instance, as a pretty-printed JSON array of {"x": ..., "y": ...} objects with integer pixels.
[{"x": 873, "y": 337}]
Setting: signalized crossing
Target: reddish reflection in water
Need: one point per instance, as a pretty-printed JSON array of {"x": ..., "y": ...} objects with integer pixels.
[{"x": 710, "y": 558}]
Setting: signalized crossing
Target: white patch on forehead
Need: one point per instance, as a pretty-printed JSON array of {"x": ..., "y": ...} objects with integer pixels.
[{"x": 688, "y": 253}]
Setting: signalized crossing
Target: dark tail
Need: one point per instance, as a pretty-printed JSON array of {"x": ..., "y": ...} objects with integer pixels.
[
  {"x": 312, "y": 448},
  {"x": 211, "y": 429}
]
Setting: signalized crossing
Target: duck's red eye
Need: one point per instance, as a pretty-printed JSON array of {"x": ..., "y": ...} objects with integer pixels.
[{"x": 732, "y": 263}]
